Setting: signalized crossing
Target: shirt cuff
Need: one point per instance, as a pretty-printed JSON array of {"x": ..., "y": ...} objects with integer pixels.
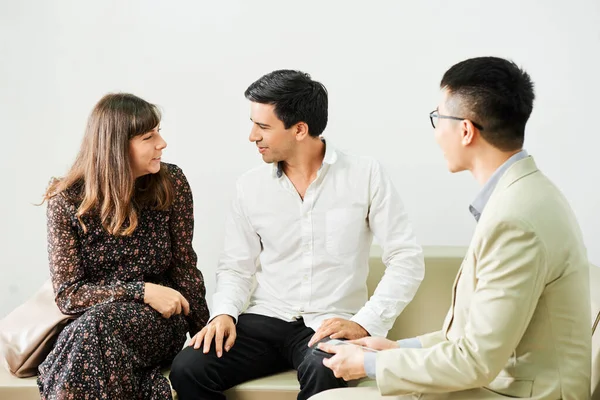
[
  {"x": 370, "y": 364},
  {"x": 225, "y": 309},
  {"x": 370, "y": 322},
  {"x": 412, "y": 343}
]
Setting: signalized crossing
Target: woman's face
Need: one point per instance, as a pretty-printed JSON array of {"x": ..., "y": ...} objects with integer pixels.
[{"x": 145, "y": 152}]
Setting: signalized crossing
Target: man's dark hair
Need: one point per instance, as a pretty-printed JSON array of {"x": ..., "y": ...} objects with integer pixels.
[
  {"x": 295, "y": 97},
  {"x": 496, "y": 94}
]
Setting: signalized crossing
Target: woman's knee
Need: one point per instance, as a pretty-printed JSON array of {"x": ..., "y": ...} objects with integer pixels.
[{"x": 101, "y": 312}]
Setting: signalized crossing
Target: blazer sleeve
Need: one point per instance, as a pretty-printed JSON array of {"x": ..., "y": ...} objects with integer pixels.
[{"x": 510, "y": 276}]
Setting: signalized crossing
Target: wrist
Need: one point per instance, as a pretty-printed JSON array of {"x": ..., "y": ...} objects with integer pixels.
[{"x": 147, "y": 289}]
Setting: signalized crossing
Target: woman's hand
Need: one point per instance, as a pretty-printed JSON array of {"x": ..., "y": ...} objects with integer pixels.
[{"x": 166, "y": 301}]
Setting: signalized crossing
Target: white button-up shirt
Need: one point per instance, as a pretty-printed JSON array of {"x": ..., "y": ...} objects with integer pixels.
[{"x": 289, "y": 258}]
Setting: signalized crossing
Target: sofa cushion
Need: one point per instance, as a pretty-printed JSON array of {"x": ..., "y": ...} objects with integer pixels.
[{"x": 13, "y": 388}]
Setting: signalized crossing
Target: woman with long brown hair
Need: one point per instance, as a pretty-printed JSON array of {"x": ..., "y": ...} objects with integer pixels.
[{"x": 120, "y": 227}]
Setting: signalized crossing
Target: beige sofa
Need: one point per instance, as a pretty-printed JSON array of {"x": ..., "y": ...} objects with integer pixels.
[{"x": 425, "y": 313}]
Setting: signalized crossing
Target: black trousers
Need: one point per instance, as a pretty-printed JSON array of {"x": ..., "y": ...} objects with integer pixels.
[{"x": 264, "y": 346}]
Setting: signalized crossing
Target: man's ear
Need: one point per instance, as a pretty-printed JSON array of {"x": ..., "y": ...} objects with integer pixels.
[
  {"x": 301, "y": 130},
  {"x": 468, "y": 131}
]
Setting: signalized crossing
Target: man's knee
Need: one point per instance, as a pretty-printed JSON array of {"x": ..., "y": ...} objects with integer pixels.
[
  {"x": 189, "y": 366},
  {"x": 312, "y": 365}
]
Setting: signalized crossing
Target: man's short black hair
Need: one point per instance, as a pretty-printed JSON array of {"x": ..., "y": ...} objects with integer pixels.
[
  {"x": 295, "y": 96},
  {"x": 495, "y": 93}
]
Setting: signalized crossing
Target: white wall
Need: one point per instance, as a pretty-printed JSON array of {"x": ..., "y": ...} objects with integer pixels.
[{"x": 381, "y": 62}]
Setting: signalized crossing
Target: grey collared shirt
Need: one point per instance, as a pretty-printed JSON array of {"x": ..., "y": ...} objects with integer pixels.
[
  {"x": 476, "y": 208},
  {"x": 370, "y": 363}
]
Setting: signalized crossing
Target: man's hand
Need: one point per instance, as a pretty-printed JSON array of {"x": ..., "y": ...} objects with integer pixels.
[
  {"x": 338, "y": 328},
  {"x": 348, "y": 361},
  {"x": 218, "y": 328},
  {"x": 376, "y": 343}
]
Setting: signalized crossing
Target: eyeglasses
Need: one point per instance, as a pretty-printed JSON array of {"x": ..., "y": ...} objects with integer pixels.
[{"x": 434, "y": 115}]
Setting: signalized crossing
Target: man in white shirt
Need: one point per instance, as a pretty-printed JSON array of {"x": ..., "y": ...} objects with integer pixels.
[{"x": 295, "y": 263}]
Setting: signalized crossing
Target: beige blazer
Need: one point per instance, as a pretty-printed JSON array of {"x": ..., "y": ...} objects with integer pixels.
[{"x": 519, "y": 323}]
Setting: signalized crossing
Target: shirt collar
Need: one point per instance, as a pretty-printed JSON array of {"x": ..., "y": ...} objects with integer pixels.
[
  {"x": 329, "y": 158},
  {"x": 477, "y": 206}
]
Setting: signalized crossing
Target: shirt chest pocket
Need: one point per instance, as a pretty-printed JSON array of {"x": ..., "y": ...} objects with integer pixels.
[{"x": 344, "y": 228}]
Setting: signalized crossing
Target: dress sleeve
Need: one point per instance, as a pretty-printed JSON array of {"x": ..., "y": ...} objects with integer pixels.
[{"x": 74, "y": 294}]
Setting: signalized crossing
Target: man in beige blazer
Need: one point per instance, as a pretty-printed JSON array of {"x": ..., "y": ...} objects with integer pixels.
[{"x": 519, "y": 323}]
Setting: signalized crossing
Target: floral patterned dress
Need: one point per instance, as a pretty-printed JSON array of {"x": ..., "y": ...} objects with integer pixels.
[{"x": 117, "y": 346}]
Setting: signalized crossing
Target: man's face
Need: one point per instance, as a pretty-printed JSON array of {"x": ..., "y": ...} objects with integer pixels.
[
  {"x": 449, "y": 134},
  {"x": 274, "y": 142}
]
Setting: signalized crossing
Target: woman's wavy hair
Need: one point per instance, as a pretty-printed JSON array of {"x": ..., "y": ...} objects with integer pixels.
[{"x": 101, "y": 180}]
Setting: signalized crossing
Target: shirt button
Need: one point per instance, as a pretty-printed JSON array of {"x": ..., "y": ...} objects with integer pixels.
[{"x": 301, "y": 309}]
